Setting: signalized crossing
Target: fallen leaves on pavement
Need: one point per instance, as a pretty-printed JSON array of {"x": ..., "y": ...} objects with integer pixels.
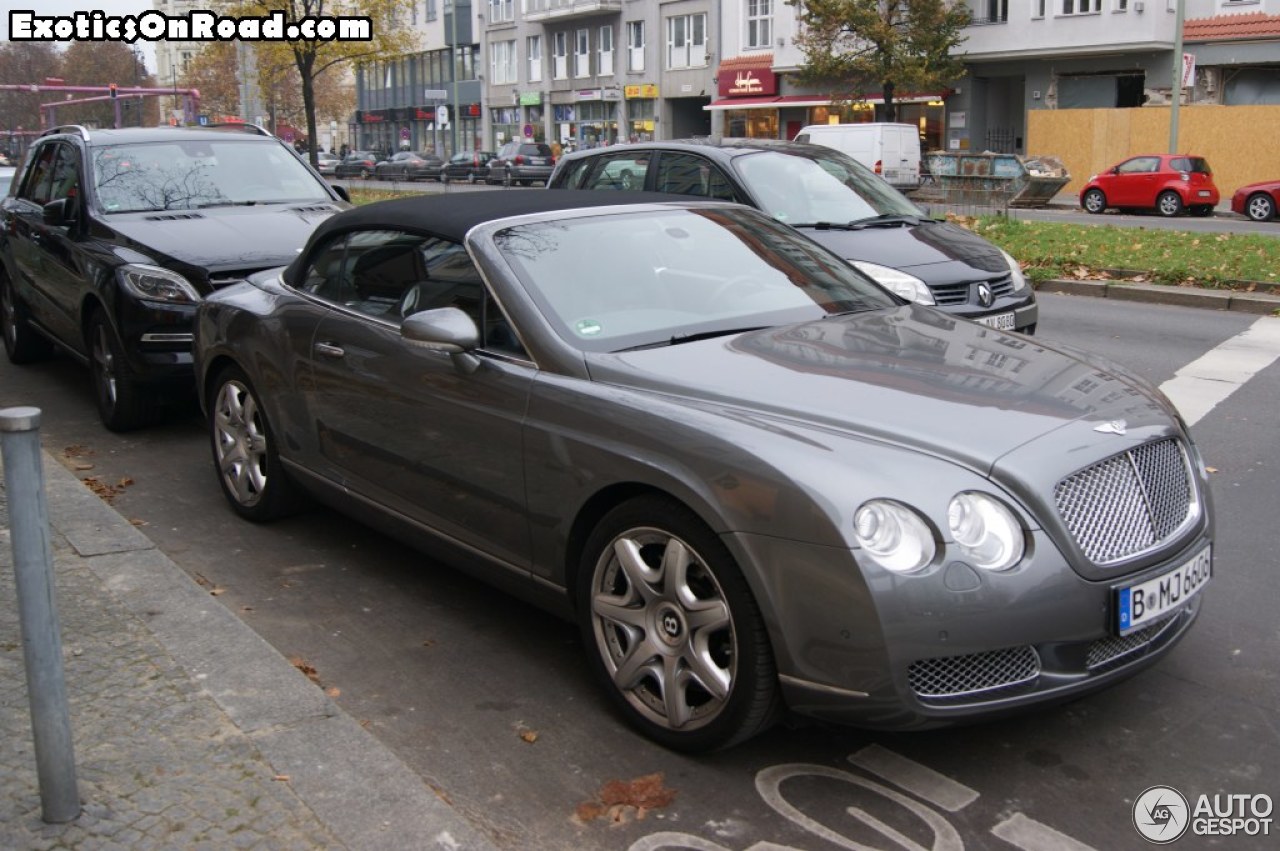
[
  {"x": 106, "y": 492},
  {"x": 622, "y": 800}
]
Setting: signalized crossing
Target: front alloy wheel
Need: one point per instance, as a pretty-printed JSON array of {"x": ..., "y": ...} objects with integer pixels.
[
  {"x": 1094, "y": 201},
  {"x": 1260, "y": 208},
  {"x": 249, "y": 469},
  {"x": 123, "y": 404},
  {"x": 673, "y": 630}
]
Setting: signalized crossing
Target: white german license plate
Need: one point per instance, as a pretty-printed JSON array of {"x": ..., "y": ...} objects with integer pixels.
[
  {"x": 1140, "y": 604},
  {"x": 999, "y": 321}
]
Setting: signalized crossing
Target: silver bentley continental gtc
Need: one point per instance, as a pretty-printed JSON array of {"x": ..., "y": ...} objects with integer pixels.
[{"x": 758, "y": 481}]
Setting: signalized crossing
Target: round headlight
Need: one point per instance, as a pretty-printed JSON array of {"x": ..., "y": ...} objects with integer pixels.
[
  {"x": 896, "y": 281},
  {"x": 987, "y": 533},
  {"x": 893, "y": 536}
]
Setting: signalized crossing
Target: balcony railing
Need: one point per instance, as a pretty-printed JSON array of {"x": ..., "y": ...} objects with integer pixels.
[{"x": 560, "y": 10}]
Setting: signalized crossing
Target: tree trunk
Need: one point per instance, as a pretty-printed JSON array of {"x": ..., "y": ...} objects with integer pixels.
[
  {"x": 306, "y": 63},
  {"x": 890, "y": 107}
]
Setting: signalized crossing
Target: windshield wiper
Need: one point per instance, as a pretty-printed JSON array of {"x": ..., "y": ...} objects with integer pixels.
[
  {"x": 207, "y": 204},
  {"x": 677, "y": 339},
  {"x": 884, "y": 220}
]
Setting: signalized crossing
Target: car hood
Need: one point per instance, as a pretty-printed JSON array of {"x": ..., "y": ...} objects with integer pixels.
[
  {"x": 223, "y": 238},
  {"x": 910, "y": 376},
  {"x": 935, "y": 252}
]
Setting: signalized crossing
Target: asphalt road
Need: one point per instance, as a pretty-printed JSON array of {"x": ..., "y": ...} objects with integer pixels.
[{"x": 489, "y": 700}]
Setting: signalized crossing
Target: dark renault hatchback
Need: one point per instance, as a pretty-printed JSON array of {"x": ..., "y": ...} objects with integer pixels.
[
  {"x": 836, "y": 201},
  {"x": 111, "y": 238}
]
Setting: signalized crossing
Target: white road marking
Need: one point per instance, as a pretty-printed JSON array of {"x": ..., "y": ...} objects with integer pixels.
[
  {"x": 1200, "y": 385},
  {"x": 937, "y": 789},
  {"x": 1030, "y": 835}
]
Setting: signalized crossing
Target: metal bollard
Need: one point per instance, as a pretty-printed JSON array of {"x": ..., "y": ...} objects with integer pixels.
[{"x": 41, "y": 638}]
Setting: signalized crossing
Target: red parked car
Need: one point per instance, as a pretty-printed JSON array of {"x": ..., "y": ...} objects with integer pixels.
[
  {"x": 1166, "y": 183},
  {"x": 1258, "y": 201}
]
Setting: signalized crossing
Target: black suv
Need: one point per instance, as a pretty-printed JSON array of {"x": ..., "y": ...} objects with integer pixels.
[
  {"x": 834, "y": 200},
  {"x": 109, "y": 239}
]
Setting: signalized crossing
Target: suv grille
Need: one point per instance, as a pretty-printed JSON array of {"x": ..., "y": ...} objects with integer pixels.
[
  {"x": 950, "y": 294},
  {"x": 1128, "y": 503}
]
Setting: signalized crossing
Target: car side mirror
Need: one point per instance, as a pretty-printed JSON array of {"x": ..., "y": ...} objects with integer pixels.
[
  {"x": 58, "y": 213},
  {"x": 342, "y": 193},
  {"x": 444, "y": 329}
]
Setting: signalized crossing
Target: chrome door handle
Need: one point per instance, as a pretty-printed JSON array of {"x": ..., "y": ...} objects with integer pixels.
[{"x": 329, "y": 350}]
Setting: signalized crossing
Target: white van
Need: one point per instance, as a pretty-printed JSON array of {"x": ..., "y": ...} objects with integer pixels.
[{"x": 890, "y": 150}]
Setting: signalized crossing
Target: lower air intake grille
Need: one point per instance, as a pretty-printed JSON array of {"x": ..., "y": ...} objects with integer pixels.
[{"x": 952, "y": 677}]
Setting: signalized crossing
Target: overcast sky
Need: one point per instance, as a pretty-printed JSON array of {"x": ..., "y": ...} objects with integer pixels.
[{"x": 67, "y": 7}]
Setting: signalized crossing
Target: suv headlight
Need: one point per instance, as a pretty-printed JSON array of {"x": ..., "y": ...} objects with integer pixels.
[
  {"x": 896, "y": 281},
  {"x": 1019, "y": 279},
  {"x": 985, "y": 531},
  {"x": 893, "y": 536},
  {"x": 153, "y": 283}
]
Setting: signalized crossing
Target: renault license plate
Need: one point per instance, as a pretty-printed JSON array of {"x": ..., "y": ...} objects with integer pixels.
[
  {"x": 1144, "y": 602},
  {"x": 999, "y": 321}
]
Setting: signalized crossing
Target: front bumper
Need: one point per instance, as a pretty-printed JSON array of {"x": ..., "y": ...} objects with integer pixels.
[{"x": 860, "y": 646}]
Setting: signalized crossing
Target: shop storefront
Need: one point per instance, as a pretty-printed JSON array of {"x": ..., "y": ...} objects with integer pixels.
[
  {"x": 753, "y": 108},
  {"x": 597, "y": 111},
  {"x": 417, "y": 128},
  {"x": 641, "y": 102},
  {"x": 505, "y": 121},
  {"x": 532, "y": 116}
]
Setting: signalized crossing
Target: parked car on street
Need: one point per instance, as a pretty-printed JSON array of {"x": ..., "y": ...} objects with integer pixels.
[
  {"x": 409, "y": 165},
  {"x": 110, "y": 238},
  {"x": 357, "y": 164},
  {"x": 327, "y": 163},
  {"x": 1169, "y": 184},
  {"x": 521, "y": 162},
  {"x": 835, "y": 200},
  {"x": 1258, "y": 201},
  {"x": 471, "y": 166},
  {"x": 757, "y": 479}
]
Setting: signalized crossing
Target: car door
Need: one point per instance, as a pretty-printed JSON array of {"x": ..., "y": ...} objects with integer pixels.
[
  {"x": 48, "y": 256},
  {"x": 1134, "y": 183},
  {"x": 409, "y": 428}
]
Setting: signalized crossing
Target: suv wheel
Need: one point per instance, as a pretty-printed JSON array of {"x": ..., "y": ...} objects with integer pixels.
[
  {"x": 22, "y": 343},
  {"x": 123, "y": 404}
]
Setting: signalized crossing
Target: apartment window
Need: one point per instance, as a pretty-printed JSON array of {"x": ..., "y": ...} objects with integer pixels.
[
  {"x": 1037, "y": 8},
  {"x": 687, "y": 41},
  {"x": 604, "y": 46},
  {"x": 1081, "y": 7},
  {"x": 635, "y": 45},
  {"x": 502, "y": 62},
  {"x": 759, "y": 23},
  {"x": 430, "y": 10},
  {"x": 1122, "y": 5},
  {"x": 582, "y": 53},
  {"x": 992, "y": 12},
  {"x": 560, "y": 56},
  {"x": 502, "y": 10},
  {"x": 533, "y": 47}
]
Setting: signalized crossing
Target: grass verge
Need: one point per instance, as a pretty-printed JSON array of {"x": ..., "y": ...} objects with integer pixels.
[{"x": 1049, "y": 250}]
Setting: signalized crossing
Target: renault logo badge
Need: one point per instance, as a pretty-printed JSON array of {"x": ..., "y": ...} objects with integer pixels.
[
  {"x": 1113, "y": 427},
  {"x": 985, "y": 296}
]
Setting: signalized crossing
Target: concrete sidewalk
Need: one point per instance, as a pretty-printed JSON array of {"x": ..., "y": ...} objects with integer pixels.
[{"x": 190, "y": 730}]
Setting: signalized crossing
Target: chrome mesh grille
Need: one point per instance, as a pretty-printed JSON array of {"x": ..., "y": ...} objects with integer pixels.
[
  {"x": 950, "y": 677},
  {"x": 1115, "y": 648},
  {"x": 1128, "y": 503}
]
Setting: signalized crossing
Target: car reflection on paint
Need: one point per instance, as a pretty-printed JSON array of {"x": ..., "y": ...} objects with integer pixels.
[{"x": 758, "y": 481}]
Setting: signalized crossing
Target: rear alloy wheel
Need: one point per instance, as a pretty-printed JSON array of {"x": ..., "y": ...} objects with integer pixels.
[
  {"x": 244, "y": 453},
  {"x": 1094, "y": 201},
  {"x": 22, "y": 343},
  {"x": 1169, "y": 204},
  {"x": 672, "y": 630},
  {"x": 123, "y": 403},
  {"x": 1260, "y": 207}
]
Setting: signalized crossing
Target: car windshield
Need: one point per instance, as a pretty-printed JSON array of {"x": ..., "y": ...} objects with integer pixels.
[
  {"x": 191, "y": 175},
  {"x": 636, "y": 279},
  {"x": 819, "y": 186}
]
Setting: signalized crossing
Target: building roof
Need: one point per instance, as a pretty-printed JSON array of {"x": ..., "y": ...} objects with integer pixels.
[{"x": 1250, "y": 26}]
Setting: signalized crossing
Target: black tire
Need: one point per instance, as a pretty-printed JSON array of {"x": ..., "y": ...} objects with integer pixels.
[
  {"x": 1260, "y": 207},
  {"x": 716, "y": 683},
  {"x": 245, "y": 458},
  {"x": 1169, "y": 204},
  {"x": 445, "y": 179},
  {"x": 22, "y": 343},
  {"x": 1094, "y": 201},
  {"x": 124, "y": 404},
  {"x": 471, "y": 177}
]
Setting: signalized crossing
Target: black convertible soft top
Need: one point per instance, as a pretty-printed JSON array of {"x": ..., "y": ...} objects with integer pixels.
[{"x": 451, "y": 215}]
